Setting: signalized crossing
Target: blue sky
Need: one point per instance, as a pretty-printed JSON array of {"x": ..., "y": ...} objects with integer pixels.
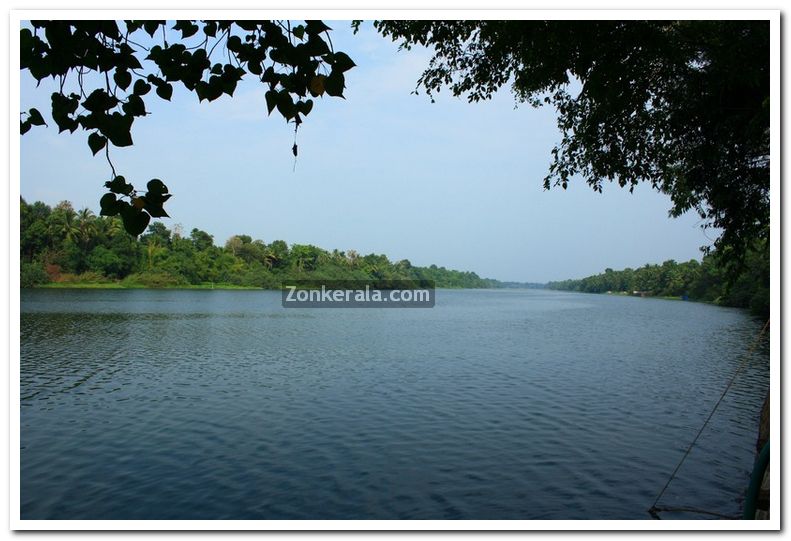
[{"x": 384, "y": 171}]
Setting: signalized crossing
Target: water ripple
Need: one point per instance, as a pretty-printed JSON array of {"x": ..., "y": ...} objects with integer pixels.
[{"x": 495, "y": 404}]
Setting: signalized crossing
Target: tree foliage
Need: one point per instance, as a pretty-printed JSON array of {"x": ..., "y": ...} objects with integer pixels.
[
  {"x": 710, "y": 280},
  {"x": 63, "y": 245},
  {"x": 682, "y": 105},
  {"x": 106, "y": 71}
]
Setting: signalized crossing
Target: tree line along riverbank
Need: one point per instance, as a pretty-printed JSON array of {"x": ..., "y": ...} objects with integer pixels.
[
  {"x": 61, "y": 247},
  {"x": 709, "y": 280}
]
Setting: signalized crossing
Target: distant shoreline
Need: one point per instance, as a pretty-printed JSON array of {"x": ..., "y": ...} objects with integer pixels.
[
  {"x": 225, "y": 286},
  {"x": 119, "y": 285},
  {"x": 715, "y": 302}
]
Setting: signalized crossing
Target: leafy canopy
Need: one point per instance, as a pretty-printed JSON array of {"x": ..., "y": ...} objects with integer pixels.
[
  {"x": 63, "y": 245},
  {"x": 106, "y": 71},
  {"x": 682, "y": 105}
]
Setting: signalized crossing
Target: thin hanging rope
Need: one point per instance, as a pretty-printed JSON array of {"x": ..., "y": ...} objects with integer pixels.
[{"x": 653, "y": 510}]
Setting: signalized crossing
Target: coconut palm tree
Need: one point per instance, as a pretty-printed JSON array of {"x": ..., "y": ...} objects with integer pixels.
[
  {"x": 353, "y": 258},
  {"x": 86, "y": 224},
  {"x": 108, "y": 227},
  {"x": 153, "y": 249},
  {"x": 63, "y": 223},
  {"x": 113, "y": 227},
  {"x": 269, "y": 257}
]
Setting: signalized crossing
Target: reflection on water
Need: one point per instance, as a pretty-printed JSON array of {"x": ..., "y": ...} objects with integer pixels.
[{"x": 492, "y": 405}]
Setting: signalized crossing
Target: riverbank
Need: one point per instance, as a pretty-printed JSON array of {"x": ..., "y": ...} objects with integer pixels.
[
  {"x": 627, "y": 294},
  {"x": 136, "y": 285},
  {"x": 126, "y": 284},
  {"x": 715, "y": 302},
  {"x": 122, "y": 285}
]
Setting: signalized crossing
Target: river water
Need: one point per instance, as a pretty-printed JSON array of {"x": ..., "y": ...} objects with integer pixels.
[{"x": 494, "y": 404}]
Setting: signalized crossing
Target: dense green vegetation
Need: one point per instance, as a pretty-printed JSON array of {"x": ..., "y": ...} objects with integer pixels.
[
  {"x": 63, "y": 247},
  {"x": 709, "y": 280}
]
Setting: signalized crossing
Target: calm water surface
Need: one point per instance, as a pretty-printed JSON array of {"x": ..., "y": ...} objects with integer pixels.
[{"x": 492, "y": 405}]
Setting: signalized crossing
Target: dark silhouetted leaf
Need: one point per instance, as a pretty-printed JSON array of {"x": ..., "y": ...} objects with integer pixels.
[
  {"x": 342, "y": 62},
  {"x": 119, "y": 185},
  {"x": 141, "y": 88},
  {"x": 154, "y": 208},
  {"x": 135, "y": 221},
  {"x": 134, "y": 106},
  {"x": 304, "y": 107},
  {"x": 317, "y": 85},
  {"x": 210, "y": 29},
  {"x": 234, "y": 43},
  {"x": 285, "y": 105},
  {"x": 151, "y": 27},
  {"x": 35, "y": 118},
  {"x": 109, "y": 205},
  {"x": 334, "y": 84},
  {"x": 187, "y": 28},
  {"x": 315, "y": 46},
  {"x": 122, "y": 78},
  {"x": 118, "y": 129},
  {"x": 271, "y": 100},
  {"x": 316, "y": 27},
  {"x": 99, "y": 100},
  {"x": 156, "y": 186},
  {"x": 165, "y": 91},
  {"x": 96, "y": 142}
]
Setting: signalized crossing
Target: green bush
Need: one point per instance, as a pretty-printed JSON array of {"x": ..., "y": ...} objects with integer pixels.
[
  {"x": 87, "y": 277},
  {"x": 32, "y": 274},
  {"x": 759, "y": 303},
  {"x": 153, "y": 279}
]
